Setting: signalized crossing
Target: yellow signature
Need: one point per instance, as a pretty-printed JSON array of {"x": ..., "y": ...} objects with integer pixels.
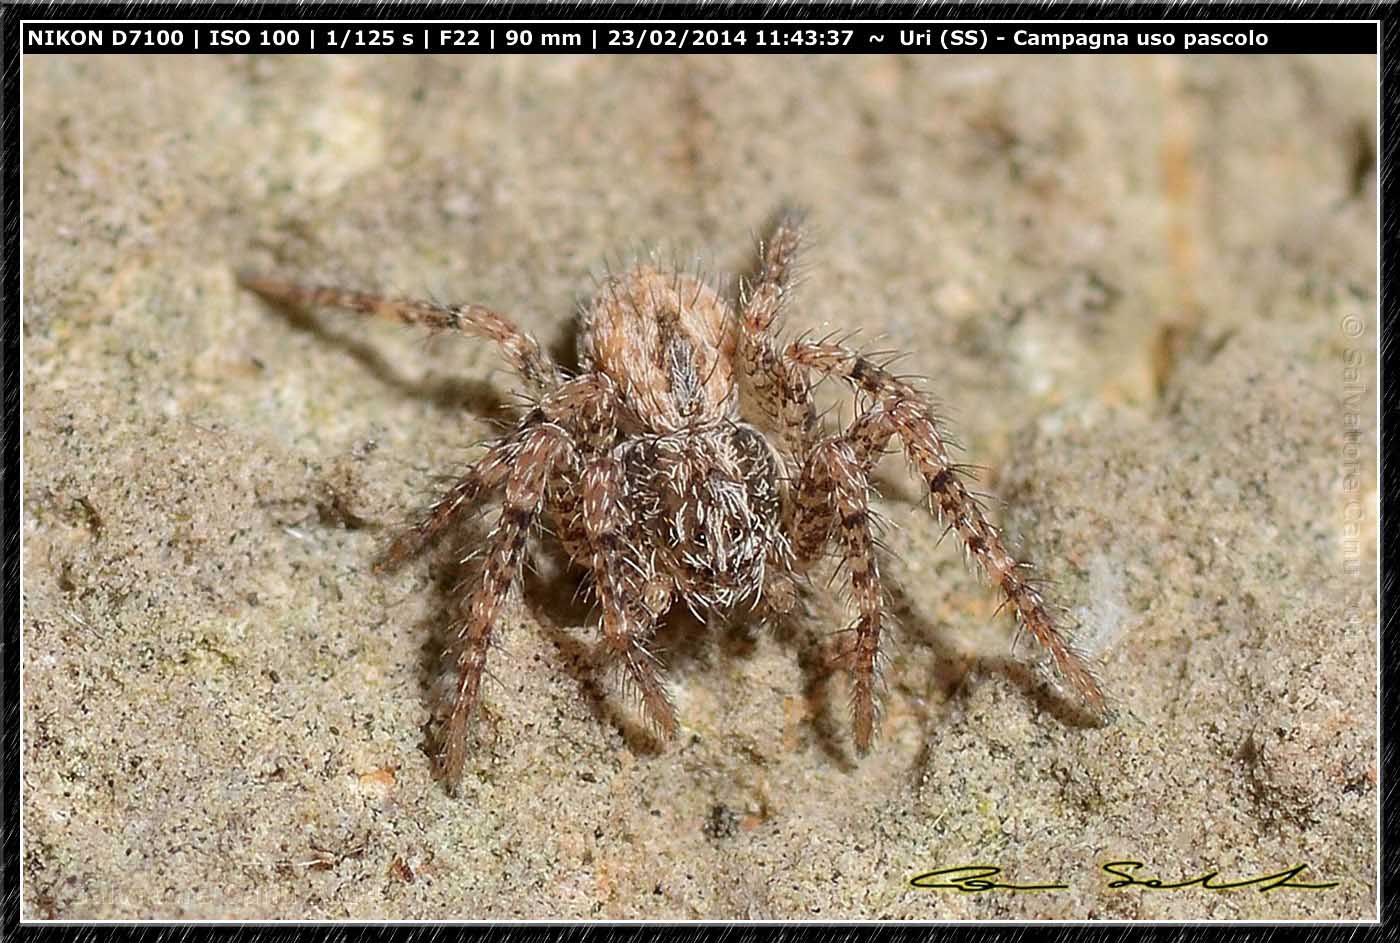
[{"x": 979, "y": 878}]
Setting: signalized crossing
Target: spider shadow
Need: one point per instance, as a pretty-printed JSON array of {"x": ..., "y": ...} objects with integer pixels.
[
  {"x": 478, "y": 396},
  {"x": 553, "y": 593},
  {"x": 450, "y": 580},
  {"x": 831, "y": 735},
  {"x": 687, "y": 645},
  {"x": 831, "y": 726},
  {"x": 563, "y": 611},
  {"x": 556, "y": 597},
  {"x": 448, "y": 575},
  {"x": 568, "y": 617},
  {"x": 955, "y": 670}
]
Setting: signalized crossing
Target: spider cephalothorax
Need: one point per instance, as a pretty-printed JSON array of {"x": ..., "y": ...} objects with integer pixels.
[{"x": 684, "y": 464}]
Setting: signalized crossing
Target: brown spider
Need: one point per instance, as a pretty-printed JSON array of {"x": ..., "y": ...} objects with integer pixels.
[{"x": 667, "y": 467}]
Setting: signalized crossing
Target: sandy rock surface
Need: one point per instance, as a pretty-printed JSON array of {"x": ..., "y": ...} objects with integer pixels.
[{"x": 1143, "y": 290}]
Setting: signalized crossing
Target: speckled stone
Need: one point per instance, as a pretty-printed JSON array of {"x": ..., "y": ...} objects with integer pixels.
[{"x": 1143, "y": 290}]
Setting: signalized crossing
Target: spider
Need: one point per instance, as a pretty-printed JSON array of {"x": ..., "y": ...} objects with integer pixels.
[{"x": 685, "y": 463}]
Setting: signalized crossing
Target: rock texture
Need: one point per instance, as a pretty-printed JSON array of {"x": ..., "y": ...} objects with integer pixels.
[{"x": 1144, "y": 289}]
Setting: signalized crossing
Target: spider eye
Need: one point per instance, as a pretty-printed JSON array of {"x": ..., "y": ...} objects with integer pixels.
[{"x": 699, "y": 538}]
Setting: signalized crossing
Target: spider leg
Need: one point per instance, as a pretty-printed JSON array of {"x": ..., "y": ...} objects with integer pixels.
[
  {"x": 588, "y": 508},
  {"x": 833, "y": 499},
  {"x": 764, "y": 295},
  {"x": 898, "y": 410},
  {"x": 534, "y": 366},
  {"x": 588, "y": 406},
  {"x": 622, "y": 584},
  {"x": 480, "y": 481},
  {"x": 776, "y": 387},
  {"x": 566, "y": 511},
  {"x": 584, "y": 405},
  {"x": 542, "y": 450}
]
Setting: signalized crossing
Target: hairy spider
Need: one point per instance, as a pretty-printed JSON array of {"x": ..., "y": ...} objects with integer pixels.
[{"x": 685, "y": 463}]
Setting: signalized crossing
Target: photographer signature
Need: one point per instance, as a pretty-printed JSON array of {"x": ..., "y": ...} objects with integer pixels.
[{"x": 978, "y": 878}]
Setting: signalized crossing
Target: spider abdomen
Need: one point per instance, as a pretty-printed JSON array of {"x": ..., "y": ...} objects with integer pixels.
[{"x": 669, "y": 342}]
